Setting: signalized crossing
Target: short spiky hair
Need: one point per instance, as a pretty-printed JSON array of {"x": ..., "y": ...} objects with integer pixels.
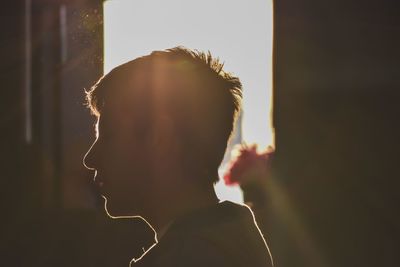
[{"x": 205, "y": 113}]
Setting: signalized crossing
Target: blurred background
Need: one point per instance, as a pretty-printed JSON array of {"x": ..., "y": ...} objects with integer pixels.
[{"x": 321, "y": 84}]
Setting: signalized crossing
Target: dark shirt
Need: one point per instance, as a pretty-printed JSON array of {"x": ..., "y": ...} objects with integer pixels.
[{"x": 222, "y": 235}]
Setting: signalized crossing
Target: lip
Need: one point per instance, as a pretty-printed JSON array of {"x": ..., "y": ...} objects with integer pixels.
[
  {"x": 99, "y": 183},
  {"x": 100, "y": 188}
]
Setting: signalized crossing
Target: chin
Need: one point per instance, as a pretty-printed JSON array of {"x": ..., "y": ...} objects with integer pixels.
[{"x": 117, "y": 211}]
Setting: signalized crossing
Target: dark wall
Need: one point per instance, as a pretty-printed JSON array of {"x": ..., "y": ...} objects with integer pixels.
[
  {"x": 51, "y": 215},
  {"x": 336, "y": 81},
  {"x": 14, "y": 192}
]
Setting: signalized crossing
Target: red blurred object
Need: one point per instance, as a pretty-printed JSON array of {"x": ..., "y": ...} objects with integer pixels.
[{"x": 250, "y": 166}]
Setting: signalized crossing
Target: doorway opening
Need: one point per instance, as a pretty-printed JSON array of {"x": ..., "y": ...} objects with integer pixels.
[{"x": 238, "y": 32}]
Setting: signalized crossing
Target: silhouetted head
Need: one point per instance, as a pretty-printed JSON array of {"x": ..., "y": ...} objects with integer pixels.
[{"x": 164, "y": 121}]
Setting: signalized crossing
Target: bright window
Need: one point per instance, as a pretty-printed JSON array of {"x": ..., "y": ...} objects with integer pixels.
[{"x": 238, "y": 32}]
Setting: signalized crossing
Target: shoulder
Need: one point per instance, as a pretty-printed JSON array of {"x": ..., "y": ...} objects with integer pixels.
[
  {"x": 225, "y": 235},
  {"x": 195, "y": 250}
]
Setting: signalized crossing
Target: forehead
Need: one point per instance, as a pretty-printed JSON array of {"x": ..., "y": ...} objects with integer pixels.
[
  {"x": 139, "y": 92},
  {"x": 127, "y": 103}
]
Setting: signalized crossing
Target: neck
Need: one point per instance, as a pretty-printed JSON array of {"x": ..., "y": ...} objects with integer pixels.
[{"x": 165, "y": 210}]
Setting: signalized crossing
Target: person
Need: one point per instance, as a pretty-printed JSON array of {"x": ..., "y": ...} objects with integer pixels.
[{"x": 163, "y": 123}]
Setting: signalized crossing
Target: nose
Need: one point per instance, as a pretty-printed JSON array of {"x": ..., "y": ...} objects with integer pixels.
[{"x": 88, "y": 159}]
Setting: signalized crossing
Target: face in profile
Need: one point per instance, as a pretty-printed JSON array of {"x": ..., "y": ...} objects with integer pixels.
[
  {"x": 120, "y": 158},
  {"x": 132, "y": 147}
]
